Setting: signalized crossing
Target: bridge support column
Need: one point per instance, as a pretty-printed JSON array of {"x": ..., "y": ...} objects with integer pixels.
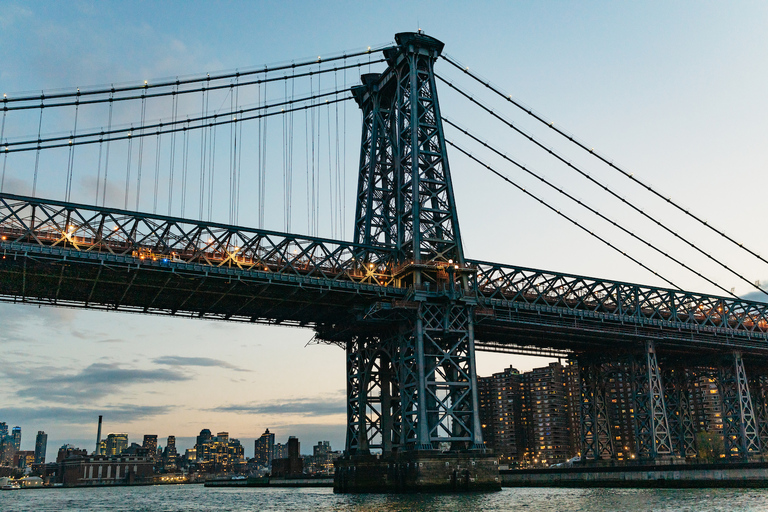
[
  {"x": 759, "y": 387},
  {"x": 652, "y": 439},
  {"x": 739, "y": 427},
  {"x": 596, "y": 438},
  {"x": 679, "y": 415}
]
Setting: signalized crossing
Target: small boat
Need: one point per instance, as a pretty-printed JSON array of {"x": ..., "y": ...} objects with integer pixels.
[{"x": 10, "y": 485}]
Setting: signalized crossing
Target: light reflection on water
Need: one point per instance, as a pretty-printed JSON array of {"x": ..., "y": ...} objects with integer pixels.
[{"x": 198, "y": 498}]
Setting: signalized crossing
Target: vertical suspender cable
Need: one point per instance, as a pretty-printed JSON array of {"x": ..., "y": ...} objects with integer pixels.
[
  {"x": 98, "y": 167},
  {"x": 344, "y": 165},
  {"x": 128, "y": 170},
  {"x": 106, "y": 157},
  {"x": 2, "y": 134},
  {"x": 290, "y": 152},
  {"x": 258, "y": 159},
  {"x": 37, "y": 153},
  {"x": 232, "y": 146},
  {"x": 157, "y": 169},
  {"x": 71, "y": 163},
  {"x": 312, "y": 134},
  {"x": 141, "y": 144},
  {"x": 212, "y": 167},
  {"x": 174, "y": 116},
  {"x": 204, "y": 109},
  {"x": 184, "y": 163},
  {"x": 262, "y": 190}
]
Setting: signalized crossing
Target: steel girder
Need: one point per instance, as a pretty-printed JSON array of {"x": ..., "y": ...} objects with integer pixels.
[
  {"x": 415, "y": 388},
  {"x": 759, "y": 387},
  {"x": 502, "y": 287},
  {"x": 597, "y": 441},
  {"x": 158, "y": 239},
  {"x": 652, "y": 439},
  {"x": 740, "y": 431},
  {"x": 372, "y": 395},
  {"x": 679, "y": 414}
]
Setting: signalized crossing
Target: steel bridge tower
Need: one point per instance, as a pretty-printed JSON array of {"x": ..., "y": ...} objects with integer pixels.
[{"x": 411, "y": 377}]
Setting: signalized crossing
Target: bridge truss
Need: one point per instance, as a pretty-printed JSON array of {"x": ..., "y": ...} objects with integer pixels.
[{"x": 407, "y": 306}]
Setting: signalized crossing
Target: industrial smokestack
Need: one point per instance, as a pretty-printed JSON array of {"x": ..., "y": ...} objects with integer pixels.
[{"x": 98, "y": 437}]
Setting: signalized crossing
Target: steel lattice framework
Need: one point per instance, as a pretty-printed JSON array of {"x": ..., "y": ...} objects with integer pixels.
[{"x": 407, "y": 306}]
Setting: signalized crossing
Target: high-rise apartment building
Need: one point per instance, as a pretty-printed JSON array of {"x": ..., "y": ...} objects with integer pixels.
[
  {"x": 547, "y": 401},
  {"x": 41, "y": 444},
  {"x": 264, "y": 448},
  {"x": 501, "y": 399},
  {"x": 528, "y": 418}
]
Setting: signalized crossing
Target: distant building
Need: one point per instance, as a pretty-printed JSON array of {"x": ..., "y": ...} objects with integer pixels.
[
  {"x": 68, "y": 451},
  {"x": 291, "y": 466},
  {"x": 3, "y": 429},
  {"x": 23, "y": 458},
  {"x": 150, "y": 443},
  {"x": 322, "y": 459},
  {"x": 219, "y": 454},
  {"x": 116, "y": 443},
  {"x": 205, "y": 435},
  {"x": 280, "y": 451},
  {"x": 98, "y": 469},
  {"x": 264, "y": 448},
  {"x": 41, "y": 444},
  {"x": 16, "y": 434},
  {"x": 170, "y": 455}
]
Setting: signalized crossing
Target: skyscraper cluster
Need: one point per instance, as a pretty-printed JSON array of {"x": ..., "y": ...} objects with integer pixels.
[{"x": 11, "y": 453}]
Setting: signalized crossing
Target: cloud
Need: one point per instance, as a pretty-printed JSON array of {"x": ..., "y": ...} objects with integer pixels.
[
  {"x": 318, "y": 406},
  {"x": 83, "y": 416},
  {"x": 95, "y": 381},
  {"x": 197, "y": 361}
]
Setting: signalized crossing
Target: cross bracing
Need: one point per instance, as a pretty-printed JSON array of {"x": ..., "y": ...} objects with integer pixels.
[{"x": 60, "y": 243}]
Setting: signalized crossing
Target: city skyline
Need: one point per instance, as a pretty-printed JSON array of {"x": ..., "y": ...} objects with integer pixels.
[{"x": 672, "y": 92}]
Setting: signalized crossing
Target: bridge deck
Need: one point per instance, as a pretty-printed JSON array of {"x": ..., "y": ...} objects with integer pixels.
[{"x": 101, "y": 258}]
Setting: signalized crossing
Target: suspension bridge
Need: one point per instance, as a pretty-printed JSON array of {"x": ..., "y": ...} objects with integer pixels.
[{"x": 129, "y": 198}]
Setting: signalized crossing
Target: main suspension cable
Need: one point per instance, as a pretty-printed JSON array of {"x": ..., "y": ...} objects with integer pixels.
[
  {"x": 592, "y": 152},
  {"x": 169, "y": 127},
  {"x": 549, "y": 150},
  {"x": 197, "y": 80},
  {"x": 587, "y": 207}
]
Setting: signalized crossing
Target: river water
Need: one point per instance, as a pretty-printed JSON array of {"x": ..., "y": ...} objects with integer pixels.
[{"x": 198, "y": 498}]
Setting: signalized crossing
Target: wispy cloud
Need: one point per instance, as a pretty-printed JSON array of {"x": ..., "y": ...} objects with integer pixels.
[
  {"x": 83, "y": 416},
  {"x": 95, "y": 381},
  {"x": 197, "y": 361},
  {"x": 315, "y": 406}
]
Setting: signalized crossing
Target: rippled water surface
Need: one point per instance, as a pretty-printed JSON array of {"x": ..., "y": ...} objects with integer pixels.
[{"x": 199, "y": 498}]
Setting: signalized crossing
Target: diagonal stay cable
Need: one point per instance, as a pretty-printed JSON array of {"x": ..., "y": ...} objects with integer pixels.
[
  {"x": 511, "y": 125},
  {"x": 591, "y": 151},
  {"x": 566, "y": 217},
  {"x": 589, "y": 208}
]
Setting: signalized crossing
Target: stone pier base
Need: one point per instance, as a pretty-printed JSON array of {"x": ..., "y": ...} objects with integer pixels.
[{"x": 417, "y": 472}]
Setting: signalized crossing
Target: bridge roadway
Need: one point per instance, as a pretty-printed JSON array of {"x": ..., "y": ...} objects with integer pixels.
[{"x": 65, "y": 254}]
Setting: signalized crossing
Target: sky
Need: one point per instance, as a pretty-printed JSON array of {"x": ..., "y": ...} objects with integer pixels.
[{"x": 672, "y": 92}]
